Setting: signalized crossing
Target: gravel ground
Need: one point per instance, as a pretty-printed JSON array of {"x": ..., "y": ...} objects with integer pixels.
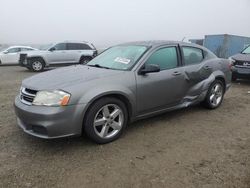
[{"x": 193, "y": 147}]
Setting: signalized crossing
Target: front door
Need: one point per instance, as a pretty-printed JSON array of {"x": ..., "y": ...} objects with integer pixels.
[
  {"x": 164, "y": 89},
  {"x": 58, "y": 55},
  {"x": 12, "y": 56}
]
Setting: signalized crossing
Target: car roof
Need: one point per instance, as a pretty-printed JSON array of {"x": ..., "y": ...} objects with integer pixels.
[
  {"x": 75, "y": 41},
  {"x": 155, "y": 43},
  {"x": 20, "y": 47}
]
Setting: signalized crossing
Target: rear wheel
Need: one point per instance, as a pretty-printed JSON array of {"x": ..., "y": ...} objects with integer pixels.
[
  {"x": 106, "y": 120},
  {"x": 37, "y": 65},
  {"x": 85, "y": 60},
  {"x": 215, "y": 95}
]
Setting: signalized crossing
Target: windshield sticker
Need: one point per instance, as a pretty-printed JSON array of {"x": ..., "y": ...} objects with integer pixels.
[{"x": 122, "y": 60}]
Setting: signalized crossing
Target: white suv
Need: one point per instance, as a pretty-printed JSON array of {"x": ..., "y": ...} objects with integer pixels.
[
  {"x": 10, "y": 56},
  {"x": 60, "y": 54}
]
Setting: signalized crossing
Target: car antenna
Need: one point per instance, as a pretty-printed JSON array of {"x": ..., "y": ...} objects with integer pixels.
[{"x": 183, "y": 39}]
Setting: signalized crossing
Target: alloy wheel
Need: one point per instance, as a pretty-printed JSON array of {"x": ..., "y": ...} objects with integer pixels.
[
  {"x": 216, "y": 94},
  {"x": 37, "y": 65},
  {"x": 108, "y": 121}
]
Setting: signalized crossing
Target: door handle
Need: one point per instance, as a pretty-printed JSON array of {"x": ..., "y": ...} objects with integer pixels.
[
  {"x": 176, "y": 73},
  {"x": 207, "y": 67}
]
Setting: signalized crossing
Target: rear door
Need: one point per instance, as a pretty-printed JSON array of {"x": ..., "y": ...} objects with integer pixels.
[
  {"x": 197, "y": 68},
  {"x": 77, "y": 50},
  {"x": 160, "y": 90},
  {"x": 74, "y": 52}
]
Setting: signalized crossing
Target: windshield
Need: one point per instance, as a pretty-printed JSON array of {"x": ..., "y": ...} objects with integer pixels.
[
  {"x": 119, "y": 57},
  {"x": 246, "y": 51}
]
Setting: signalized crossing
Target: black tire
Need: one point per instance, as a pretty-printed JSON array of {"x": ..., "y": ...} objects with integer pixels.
[
  {"x": 37, "y": 64},
  {"x": 234, "y": 78},
  {"x": 84, "y": 60},
  {"x": 209, "y": 97},
  {"x": 95, "y": 110}
]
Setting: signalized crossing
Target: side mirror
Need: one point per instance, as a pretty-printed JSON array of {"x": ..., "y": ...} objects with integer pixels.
[
  {"x": 149, "y": 69},
  {"x": 52, "y": 49},
  {"x": 5, "y": 52}
]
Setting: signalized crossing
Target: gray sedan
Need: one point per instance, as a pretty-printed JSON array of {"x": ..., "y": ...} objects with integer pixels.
[{"x": 124, "y": 83}]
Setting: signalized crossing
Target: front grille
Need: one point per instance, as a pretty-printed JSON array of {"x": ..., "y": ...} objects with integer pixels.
[
  {"x": 242, "y": 64},
  {"x": 27, "y": 95}
]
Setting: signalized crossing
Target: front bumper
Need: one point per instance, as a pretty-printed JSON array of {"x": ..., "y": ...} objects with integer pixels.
[
  {"x": 241, "y": 72},
  {"x": 50, "y": 122}
]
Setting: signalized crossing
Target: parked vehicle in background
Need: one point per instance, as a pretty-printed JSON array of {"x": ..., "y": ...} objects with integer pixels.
[
  {"x": 60, "y": 54},
  {"x": 224, "y": 45},
  {"x": 241, "y": 64},
  {"x": 10, "y": 56},
  {"x": 124, "y": 83}
]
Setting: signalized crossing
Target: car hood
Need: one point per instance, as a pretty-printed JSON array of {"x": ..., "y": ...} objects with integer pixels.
[
  {"x": 241, "y": 57},
  {"x": 62, "y": 77}
]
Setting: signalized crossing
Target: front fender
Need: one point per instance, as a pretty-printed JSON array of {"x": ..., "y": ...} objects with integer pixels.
[
  {"x": 38, "y": 56},
  {"x": 90, "y": 96}
]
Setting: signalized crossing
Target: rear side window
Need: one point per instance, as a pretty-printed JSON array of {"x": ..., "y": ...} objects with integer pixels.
[
  {"x": 166, "y": 58},
  {"x": 26, "y": 49},
  {"x": 60, "y": 46},
  {"x": 78, "y": 46},
  {"x": 192, "y": 55},
  {"x": 84, "y": 47}
]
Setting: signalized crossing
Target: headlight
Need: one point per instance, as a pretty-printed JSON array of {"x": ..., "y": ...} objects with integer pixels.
[
  {"x": 51, "y": 98},
  {"x": 231, "y": 59}
]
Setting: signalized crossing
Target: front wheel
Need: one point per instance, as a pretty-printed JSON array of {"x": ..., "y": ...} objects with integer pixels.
[
  {"x": 215, "y": 95},
  {"x": 37, "y": 65},
  {"x": 106, "y": 120}
]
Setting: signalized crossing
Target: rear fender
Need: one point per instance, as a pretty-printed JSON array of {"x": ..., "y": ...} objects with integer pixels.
[{"x": 204, "y": 85}]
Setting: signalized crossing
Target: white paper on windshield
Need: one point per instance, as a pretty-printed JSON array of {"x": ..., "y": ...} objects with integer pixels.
[{"x": 122, "y": 60}]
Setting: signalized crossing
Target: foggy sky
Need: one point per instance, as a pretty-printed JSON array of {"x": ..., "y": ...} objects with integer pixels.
[{"x": 107, "y": 22}]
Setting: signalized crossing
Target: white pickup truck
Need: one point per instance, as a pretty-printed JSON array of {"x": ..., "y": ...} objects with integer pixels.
[{"x": 60, "y": 54}]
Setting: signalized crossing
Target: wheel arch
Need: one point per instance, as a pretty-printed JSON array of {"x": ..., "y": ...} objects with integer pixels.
[
  {"x": 122, "y": 97},
  {"x": 37, "y": 57},
  {"x": 222, "y": 79},
  {"x": 85, "y": 56}
]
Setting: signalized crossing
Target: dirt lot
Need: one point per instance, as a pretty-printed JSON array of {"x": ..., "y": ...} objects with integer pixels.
[{"x": 193, "y": 147}]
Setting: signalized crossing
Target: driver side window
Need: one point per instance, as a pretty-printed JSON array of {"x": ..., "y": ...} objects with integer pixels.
[
  {"x": 60, "y": 46},
  {"x": 166, "y": 58},
  {"x": 13, "y": 50}
]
